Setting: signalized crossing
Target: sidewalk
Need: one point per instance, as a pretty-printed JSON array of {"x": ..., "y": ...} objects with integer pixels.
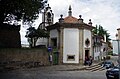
[
  {"x": 56, "y": 68},
  {"x": 65, "y": 67}
]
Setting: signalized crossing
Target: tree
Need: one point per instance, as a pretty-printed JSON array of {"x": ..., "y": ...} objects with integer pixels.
[
  {"x": 17, "y": 10},
  {"x": 33, "y": 34},
  {"x": 100, "y": 31},
  {"x": 95, "y": 30}
]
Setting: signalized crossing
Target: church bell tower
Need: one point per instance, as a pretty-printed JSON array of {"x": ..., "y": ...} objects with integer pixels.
[{"x": 47, "y": 17}]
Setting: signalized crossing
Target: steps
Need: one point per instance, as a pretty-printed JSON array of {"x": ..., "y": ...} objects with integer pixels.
[{"x": 96, "y": 67}]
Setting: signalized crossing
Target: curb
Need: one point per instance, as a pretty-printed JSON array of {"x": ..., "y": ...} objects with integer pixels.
[{"x": 82, "y": 68}]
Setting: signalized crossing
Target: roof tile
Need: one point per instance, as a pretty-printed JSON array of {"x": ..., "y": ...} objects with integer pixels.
[{"x": 70, "y": 19}]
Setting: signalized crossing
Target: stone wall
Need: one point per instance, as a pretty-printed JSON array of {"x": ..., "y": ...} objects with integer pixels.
[{"x": 23, "y": 57}]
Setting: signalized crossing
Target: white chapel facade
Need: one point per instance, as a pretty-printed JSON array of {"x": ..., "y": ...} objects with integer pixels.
[{"x": 73, "y": 39}]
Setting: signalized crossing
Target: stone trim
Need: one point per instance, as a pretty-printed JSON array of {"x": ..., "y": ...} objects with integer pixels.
[
  {"x": 81, "y": 46},
  {"x": 70, "y": 25},
  {"x": 61, "y": 47}
]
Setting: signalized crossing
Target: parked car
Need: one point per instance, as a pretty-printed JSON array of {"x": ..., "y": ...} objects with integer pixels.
[
  {"x": 113, "y": 73},
  {"x": 107, "y": 64}
]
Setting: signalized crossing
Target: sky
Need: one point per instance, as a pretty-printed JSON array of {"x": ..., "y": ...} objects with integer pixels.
[{"x": 102, "y": 12}]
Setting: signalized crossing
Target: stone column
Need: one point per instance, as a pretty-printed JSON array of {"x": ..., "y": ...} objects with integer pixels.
[
  {"x": 92, "y": 53},
  {"x": 61, "y": 46},
  {"x": 81, "y": 46}
]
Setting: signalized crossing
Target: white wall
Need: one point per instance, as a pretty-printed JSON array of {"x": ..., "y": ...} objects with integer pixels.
[
  {"x": 87, "y": 34},
  {"x": 44, "y": 41},
  {"x": 115, "y": 46},
  {"x": 71, "y": 44},
  {"x": 53, "y": 33},
  {"x": 96, "y": 53},
  {"x": 41, "y": 41}
]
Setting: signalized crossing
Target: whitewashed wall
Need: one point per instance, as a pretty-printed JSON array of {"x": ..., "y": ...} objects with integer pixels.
[
  {"x": 41, "y": 41},
  {"x": 44, "y": 41},
  {"x": 115, "y": 46},
  {"x": 103, "y": 52},
  {"x": 87, "y": 34},
  {"x": 53, "y": 33},
  {"x": 96, "y": 53},
  {"x": 71, "y": 44}
]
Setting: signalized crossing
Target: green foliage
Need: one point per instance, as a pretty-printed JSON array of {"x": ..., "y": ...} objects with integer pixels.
[
  {"x": 42, "y": 33},
  {"x": 32, "y": 34},
  {"x": 110, "y": 53},
  {"x": 100, "y": 31},
  {"x": 95, "y": 30},
  {"x": 27, "y": 10}
]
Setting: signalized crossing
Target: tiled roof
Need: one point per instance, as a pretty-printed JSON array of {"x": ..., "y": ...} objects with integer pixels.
[{"x": 70, "y": 19}]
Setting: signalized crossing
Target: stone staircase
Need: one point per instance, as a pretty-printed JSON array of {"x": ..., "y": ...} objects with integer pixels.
[{"x": 95, "y": 67}]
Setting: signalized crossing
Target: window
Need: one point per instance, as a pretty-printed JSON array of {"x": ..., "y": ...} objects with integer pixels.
[
  {"x": 54, "y": 42},
  {"x": 87, "y": 42},
  {"x": 70, "y": 57}
]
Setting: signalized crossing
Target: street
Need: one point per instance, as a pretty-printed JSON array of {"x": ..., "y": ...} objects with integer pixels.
[
  {"x": 36, "y": 74},
  {"x": 47, "y": 73}
]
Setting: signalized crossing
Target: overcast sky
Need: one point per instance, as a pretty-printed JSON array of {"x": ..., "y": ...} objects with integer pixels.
[{"x": 102, "y": 12}]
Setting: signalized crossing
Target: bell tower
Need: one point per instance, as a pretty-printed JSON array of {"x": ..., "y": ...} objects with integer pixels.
[{"x": 47, "y": 17}]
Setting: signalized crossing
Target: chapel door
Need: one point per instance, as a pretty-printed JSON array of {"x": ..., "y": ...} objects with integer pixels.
[{"x": 87, "y": 53}]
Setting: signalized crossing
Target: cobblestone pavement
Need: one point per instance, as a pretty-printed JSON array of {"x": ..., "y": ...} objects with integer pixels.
[
  {"x": 54, "y": 72},
  {"x": 49, "y": 73},
  {"x": 52, "y": 68}
]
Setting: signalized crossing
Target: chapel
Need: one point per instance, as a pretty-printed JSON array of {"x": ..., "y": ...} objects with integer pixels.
[{"x": 72, "y": 38}]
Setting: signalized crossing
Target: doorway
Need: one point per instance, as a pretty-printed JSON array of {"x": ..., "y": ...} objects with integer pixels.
[
  {"x": 54, "y": 42},
  {"x": 87, "y": 53}
]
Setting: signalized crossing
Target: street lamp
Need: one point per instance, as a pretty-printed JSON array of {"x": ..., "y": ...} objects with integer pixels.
[{"x": 118, "y": 56}]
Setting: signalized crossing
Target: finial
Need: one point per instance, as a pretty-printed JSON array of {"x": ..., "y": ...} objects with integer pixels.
[
  {"x": 90, "y": 23},
  {"x": 70, "y": 12},
  {"x": 61, "y": 15},
  {"x": 61, "y": 20},
  {"x": 80, "y": 16},
  {"x": 48, "y": 7},
  {"x": 70, "y": 7},
  {"x": 80, "y": 20},
  {"x": 89, "y": 20}
]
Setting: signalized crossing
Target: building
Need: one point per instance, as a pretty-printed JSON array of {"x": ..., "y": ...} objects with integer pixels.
[
  {"x": 97, "y": 47},
  {"x": 100, "y": 47},
  {"x": 72, "y": 38},
  {"x": 104, "y": 49},
  {"x": 116, "y": 43},
  {"x": 118, "y": 35},
  {"x": 115, "y": 47}
]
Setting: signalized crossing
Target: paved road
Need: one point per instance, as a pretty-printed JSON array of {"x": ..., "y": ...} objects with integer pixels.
[{"x": 45, "y": 74}]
